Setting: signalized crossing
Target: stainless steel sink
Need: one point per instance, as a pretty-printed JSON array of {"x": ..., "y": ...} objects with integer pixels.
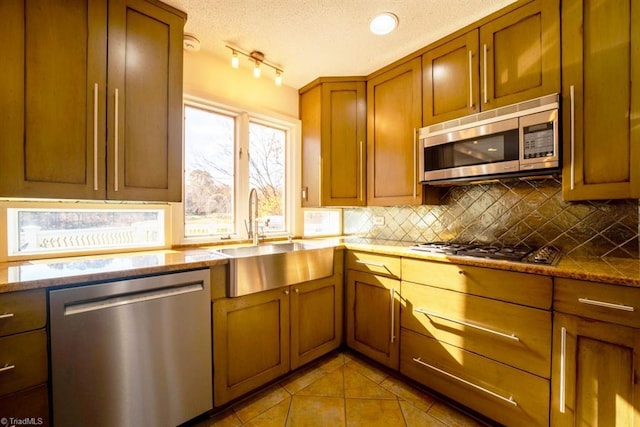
[{"x": 269, "y": 266}]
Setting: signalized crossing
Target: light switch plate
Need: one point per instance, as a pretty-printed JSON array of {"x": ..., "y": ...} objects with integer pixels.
[{"x": 378, "y": 220}]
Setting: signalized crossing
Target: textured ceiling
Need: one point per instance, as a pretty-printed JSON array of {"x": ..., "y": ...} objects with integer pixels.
[{"x": 314, "y": 38}]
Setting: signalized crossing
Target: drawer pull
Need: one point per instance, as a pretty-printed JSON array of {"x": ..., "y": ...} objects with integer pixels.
[
  {"x": 393, "y": 315},
  {"x": 506, "y": 399},
  {"x": 471, "y": 325},
  {"x": 606, "y": 304},
  {"x": 563, "y": 368},
  {"x": 7, "y": 368},
  {"x": 6, "y": 316}
]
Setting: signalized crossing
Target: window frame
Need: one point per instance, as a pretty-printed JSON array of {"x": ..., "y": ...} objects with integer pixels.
[
  {"x": 8, "y": 230},
  {"x": 243, "y": 117}
]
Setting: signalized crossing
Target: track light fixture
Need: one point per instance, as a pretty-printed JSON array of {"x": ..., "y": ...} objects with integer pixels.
[{"x": 257, "y": 58}]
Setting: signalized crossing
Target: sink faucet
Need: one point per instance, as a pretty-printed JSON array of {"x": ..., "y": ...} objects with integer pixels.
[{"x": 253, "y": 216}]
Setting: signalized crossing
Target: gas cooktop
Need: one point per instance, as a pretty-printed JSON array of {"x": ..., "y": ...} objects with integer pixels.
[{"x": 547, "y": 255}]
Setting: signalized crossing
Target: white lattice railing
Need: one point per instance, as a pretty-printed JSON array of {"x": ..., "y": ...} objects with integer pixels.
[{"x": 34, "y": 239}]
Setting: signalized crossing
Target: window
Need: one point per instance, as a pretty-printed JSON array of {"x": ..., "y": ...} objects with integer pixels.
[
  {"x": 228, "y": 152},
  {"x": 37, "y": 231},
  {"x": 209, "y": 173},
  {"x": 266, "y": 174}
]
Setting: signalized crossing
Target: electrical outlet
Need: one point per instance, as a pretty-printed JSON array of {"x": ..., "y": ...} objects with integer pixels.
[{"x": 378, "y": 220}]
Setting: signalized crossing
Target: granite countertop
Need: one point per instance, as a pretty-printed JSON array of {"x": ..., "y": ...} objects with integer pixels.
[{"x": 16, "y": 276}]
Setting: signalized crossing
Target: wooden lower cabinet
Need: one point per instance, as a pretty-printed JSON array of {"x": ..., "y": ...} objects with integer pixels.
[
  {"x": 31, "y": 404},
  {"x": 260, "y": 337},
  {"x": 316, "y": 319},
  {"x": 250, "y": 342},
  {"x": 594, "y": 376},
  {"x": 373, "y": 316},
  {"x": 505, "y": 394}
]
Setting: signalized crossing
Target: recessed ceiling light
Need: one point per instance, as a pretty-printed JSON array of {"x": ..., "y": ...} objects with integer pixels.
[{"x": 383, "y": 23}]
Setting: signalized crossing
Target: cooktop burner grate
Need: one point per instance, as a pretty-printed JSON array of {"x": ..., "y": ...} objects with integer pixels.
[{"x": 547, "y": 255}]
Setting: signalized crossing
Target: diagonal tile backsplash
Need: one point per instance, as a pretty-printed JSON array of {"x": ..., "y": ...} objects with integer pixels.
[{"x": 514, "y": 212}]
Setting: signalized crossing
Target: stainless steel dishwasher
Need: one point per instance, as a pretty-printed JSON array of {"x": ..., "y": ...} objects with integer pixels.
[{"x": 134, "y": 352}]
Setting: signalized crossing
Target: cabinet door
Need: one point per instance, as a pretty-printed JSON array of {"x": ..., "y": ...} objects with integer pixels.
[
  {"x": 520, "y": 55},
  {"x": 250, "y": 342},
  {"x": 594, "y": 373},
  {"x": 373, "y": 322},
  {"x": 316, "y": 319},
  {"x": 333, "y": 118},
  {"x": 601, "y": 58},
  {"x": 144, "y": 102},
  {"x": 394, "y": 114},
  {"x": 52, "y": 108},
  {"x": 450, "y": 80}
]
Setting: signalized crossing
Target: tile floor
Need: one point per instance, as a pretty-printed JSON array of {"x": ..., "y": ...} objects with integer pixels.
[{"x": 341, "y": 390}]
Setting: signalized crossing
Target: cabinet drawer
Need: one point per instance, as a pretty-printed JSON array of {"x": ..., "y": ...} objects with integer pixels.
[
  {"x": 22, "y": 311},
  {"x": 513, "y": 334},
  {"x": 23, "y": 361},
  {"x": 504, "y": 394},
  {"x": 600, "y": 301},
  {"x": 383, "y": 265},
  {"x": 31, "y": 403},
  {"x": 520, "y": 288}
]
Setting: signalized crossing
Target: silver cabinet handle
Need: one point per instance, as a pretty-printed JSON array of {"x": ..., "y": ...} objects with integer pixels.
[
  {"x": 7, "y": 368},
  {"x": 470, "y": 79},
  {"x": 115, "y": 142},
  {"x": 486, "y": 98},
  {"x": 393, "y": 316},
  {"x": 362, "y": 173},
  {"x": 506, "y": 399},
  {"x": 415, "y": 164},
  {"x": 563, "y": 368},
  {"x": 572, "y": 130},
  {"x": 471, "y": 325},
  {"x": 606, "y": 304},
  {"x": 296, "y": 290},
  {"x": 285, "y": 292},
  {"x": 95, "y": 137},
  {"x": 6, "y": 316}
]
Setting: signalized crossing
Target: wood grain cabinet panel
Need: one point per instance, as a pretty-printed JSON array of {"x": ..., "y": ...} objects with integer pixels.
[
  {"x": 507, "y": 395},
  {"x": 316, "y": 319},
  {"x": 512, "y": 58},
  {"x": 29, "y": 403},
  {"x": 521, "y": 50},
  {"x": 595, "y": 369},
  {"x": 509, "y": 333},
  {"x": 22, "y": 311},
  {"x": 250, "y": 342},
  {"x": 59, "y": 98},
  {"x": 334, "y": 115},
  {"x": 24, "y": 359},
  {"x": 394, "y": 113},
  {"x": 373, "y": 316},
  {"x": 600, "y": 61}
]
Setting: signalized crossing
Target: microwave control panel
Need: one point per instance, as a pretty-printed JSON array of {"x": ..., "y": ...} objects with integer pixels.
[{"x": 538, "y": 141}]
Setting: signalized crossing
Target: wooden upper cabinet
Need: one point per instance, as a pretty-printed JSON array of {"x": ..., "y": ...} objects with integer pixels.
[
  {"x": 394, "y": 113},
  {"x": 520, "y": 54},
  {"x": 55, "y": 102},
  {"x": 601, "y": 58},
  {"x": 450, "y": 78},
  {"x": 52, "y": 108},
  {"x": 144, "y": 157},
  {"x": 333, "y": 115},
  {"x": 512, "y": 58}
]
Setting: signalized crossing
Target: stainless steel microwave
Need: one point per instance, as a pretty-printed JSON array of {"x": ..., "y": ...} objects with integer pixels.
[{"x": 516, "y": 140}]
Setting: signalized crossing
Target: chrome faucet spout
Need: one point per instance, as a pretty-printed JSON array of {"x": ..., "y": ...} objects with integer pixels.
[{"x": 253, "y": 216}]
